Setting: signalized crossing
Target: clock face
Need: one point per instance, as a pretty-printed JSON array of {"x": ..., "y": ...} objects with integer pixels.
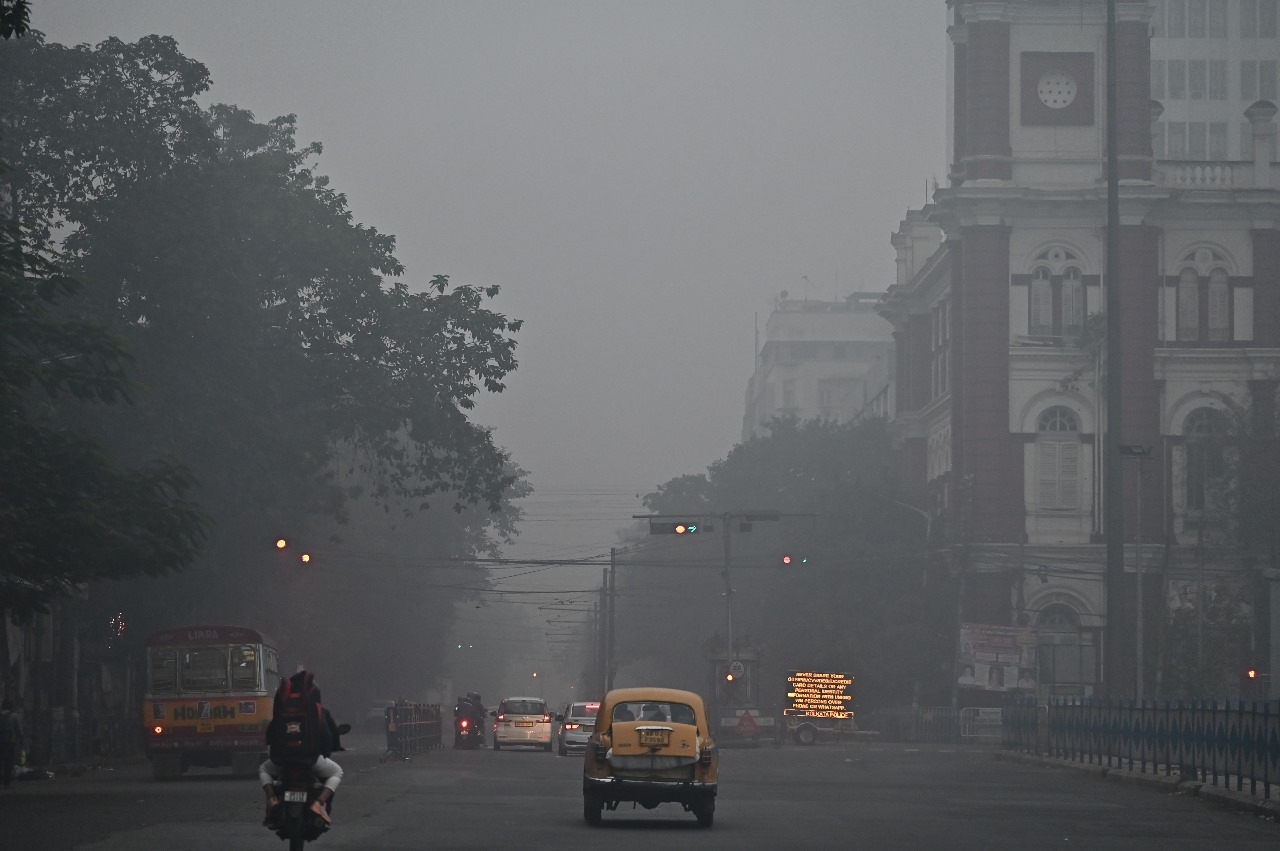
[{"x": 1057, "y": 89}]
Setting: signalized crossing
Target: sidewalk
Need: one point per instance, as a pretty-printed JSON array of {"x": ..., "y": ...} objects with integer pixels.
[{"x": 1172, "y": 785}]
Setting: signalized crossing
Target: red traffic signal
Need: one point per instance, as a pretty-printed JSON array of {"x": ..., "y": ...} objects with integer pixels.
[
  {"x": 788, "y": 559},
  {"x": 680, "y": 527},
  {"x": 1252, "y": 673}
]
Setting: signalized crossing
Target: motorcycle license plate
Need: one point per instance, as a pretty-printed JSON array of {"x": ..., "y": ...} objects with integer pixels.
[
  {"x": 653, "y": 737},
  {"x": 524, "y": 723},
  {"x": 295, "y": 796}
]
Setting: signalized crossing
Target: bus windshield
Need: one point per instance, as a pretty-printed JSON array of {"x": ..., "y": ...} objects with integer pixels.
[{"x": 204, "y": 669}]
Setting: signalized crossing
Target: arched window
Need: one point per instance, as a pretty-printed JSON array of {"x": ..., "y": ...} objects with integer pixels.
[
  {"x": 1072, "y": 303},
  {"x": 1041, "y": 319},
  {"x": 1188, "y": 305},
  {"x": 1058, "y": 459},
  {"x": 1219, "y": 305},
  {"x": 1206, "y": 430},
  {"x": 1058, "y": 617}
]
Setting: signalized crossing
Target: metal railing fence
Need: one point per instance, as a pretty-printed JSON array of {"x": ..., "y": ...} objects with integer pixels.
[
  {"x": 413, "y": 728},
  {"x": 1233, "y": 744}
]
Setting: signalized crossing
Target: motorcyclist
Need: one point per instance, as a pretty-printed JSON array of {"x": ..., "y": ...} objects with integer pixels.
[{"x": 323, "y": 768}]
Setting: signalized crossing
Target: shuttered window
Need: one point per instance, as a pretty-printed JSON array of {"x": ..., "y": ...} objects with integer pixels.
[
  {"x": 1072, "y": 303},
  {"x": 1041, "y": 319},
  {"x": 1188, "y": 305},
  {"x": 1058, "y": 459},
  {"x": 1219, "y": 305}
]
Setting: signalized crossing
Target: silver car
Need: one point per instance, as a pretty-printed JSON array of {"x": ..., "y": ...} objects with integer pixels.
[
  {"x": 522, "y": 721},
  {"x": 577, "y": 722}
]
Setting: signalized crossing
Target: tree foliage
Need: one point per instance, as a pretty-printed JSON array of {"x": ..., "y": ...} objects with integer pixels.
[
  {"x": 68, "y": 513},
  {"x": 856, "y": 605},
  {"x": 276, "y": 351}
]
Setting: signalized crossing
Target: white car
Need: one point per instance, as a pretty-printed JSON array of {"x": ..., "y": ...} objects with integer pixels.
[
  {"x": 577, "y": 722},
  {"x": 522, "y": 721}
]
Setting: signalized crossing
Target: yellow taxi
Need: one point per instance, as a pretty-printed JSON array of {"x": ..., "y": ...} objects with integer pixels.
[{"x": 651, "y": 746}]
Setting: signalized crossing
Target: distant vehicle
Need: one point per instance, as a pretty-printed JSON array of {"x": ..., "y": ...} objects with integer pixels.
[
  {"x": 651, "y": 746},
  {"x": 522, "y": 721},
  {"x": 208, "y": 698},
  {"x": 577, "y": 721}
]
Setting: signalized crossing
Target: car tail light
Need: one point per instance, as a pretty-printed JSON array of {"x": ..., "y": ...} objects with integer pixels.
[
  {"x": 546, "y": 719},
  {"x": 501, "y": 717}
]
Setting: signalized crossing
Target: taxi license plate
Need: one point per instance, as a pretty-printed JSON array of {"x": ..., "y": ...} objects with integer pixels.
[
  {"x": 292, "y": 796},
  {"x": 204, "y": 726},
  {"x": 524, "y": 723},
  {"x": 653, "y": 737}
]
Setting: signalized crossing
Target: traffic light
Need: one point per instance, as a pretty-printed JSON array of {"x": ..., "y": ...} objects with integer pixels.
[
  {"x": 282, "y": 545},
  {"x": 792, "y": 559},
  {"x": 1252, "y": 673},
  {"x": 680, "y": 527}
]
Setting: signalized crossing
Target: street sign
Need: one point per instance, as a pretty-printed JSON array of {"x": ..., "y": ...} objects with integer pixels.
[{"x": 737, "y": 668}]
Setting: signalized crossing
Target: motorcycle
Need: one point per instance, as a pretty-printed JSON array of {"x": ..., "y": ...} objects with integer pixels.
[
  {"x": 297, "y": 788},
  {"x": 468, "y": 732}
]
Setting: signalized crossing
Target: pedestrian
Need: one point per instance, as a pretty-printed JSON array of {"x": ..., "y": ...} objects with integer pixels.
[{"x": 10, "y": 742}]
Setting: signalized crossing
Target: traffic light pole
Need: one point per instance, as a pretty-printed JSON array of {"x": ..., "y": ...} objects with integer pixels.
[{"x": 728, "y": 586}]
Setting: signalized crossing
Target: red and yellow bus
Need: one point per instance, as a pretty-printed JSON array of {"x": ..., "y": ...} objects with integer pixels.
[{"x": 208, "y": 698}]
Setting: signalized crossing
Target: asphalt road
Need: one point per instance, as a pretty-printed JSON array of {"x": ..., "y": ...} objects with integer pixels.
[{"x": 865, "y": 796}]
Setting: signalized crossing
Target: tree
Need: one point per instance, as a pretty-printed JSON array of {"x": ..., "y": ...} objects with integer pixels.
[
  {"x": 856, "y": 605},
  {"x": 68, "y": 513},
  {"x": 276, "y": 351}
]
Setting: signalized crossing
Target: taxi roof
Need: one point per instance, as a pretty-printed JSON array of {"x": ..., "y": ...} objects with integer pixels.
[{"x": 667, "y": 695}]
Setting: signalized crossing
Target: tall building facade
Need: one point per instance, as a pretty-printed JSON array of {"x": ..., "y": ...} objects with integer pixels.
[{"x": 998, "y": 315}]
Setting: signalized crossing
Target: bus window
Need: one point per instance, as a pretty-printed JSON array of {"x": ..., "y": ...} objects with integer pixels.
[
  {"x": 164, "y": 671},
  {"x": 244, "y": 668},
  {"x": 204, "y": 669},
  {"x": 273, "y": 667}
]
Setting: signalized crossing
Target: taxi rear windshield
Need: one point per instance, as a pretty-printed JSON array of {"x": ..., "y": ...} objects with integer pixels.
[
  {"x": 523, "y": 707},
  {"x": 659, "y": 711}
]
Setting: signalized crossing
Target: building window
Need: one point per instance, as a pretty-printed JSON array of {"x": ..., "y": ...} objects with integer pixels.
[
  {"x": 1197, "y": 79},
  {"x": 1258, "y": 18},
  {"x": 1217, "y": 79},
  {"x": 1072, "y": 303},
  {"x": 1188, "y": 305},
  {"x": 1058, "y": 459},
  {"x": 1217, "y": 140},
  {"x": 1177, "y": 140},
  {"x": 789, "y": 394},
  {"x": 1041, "y": 303},
  {"x": 1248, "y": 80},
  {"x": 1157, "y": 140},
  {"x": 1177, "y": 79},
  {"x": 1217, "y": 18},
  {"x": 1205, "y": 429},
  {"x": 1157, "y": 79},
  {"x": 1176, "y": 17},
  {"x": 1197, "y": 140},
  {"x": 1219, "y": 306},
  {"x": 1267, "y": 79}
]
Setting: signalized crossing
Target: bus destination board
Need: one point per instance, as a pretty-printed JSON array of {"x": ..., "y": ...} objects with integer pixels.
[{"x": 816, "y": 694}]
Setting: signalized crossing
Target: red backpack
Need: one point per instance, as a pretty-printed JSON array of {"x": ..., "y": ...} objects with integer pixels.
[{"x": 297, "y": 718}]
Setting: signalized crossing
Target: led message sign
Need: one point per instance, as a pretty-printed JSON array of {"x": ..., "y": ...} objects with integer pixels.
[{"x": 815, "y": 694}]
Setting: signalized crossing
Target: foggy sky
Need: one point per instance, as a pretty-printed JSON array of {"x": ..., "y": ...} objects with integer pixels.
[{"x": 641, "y": 178}]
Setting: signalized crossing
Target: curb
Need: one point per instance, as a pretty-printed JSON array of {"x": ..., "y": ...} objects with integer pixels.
[{"x": 1217, "y": 795}]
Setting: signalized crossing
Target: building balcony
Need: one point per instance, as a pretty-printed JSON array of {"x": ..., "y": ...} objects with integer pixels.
[{"x": 1226, "y": 174}]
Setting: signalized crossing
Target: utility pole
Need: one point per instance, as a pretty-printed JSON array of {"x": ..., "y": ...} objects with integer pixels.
[
  {"x": 1112, "y": 469},
  {"x": 610, "y": 610},
  {"x": 1141, "y": 453}
]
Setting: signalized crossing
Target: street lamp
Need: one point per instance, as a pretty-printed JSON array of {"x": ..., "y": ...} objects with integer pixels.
[{"x": 1142, "y": 453}]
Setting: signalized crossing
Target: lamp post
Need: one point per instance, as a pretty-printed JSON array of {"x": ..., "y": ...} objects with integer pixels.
[{"x": 1142, "y": 453}]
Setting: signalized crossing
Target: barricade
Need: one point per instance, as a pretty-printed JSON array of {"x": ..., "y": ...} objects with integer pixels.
[{"x": 412, "y": 728}]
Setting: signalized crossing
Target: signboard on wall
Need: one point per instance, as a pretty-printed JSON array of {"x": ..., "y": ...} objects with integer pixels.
[
  {"x": 997, "y": 658},
  {"x": 817, "y": 694}
]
